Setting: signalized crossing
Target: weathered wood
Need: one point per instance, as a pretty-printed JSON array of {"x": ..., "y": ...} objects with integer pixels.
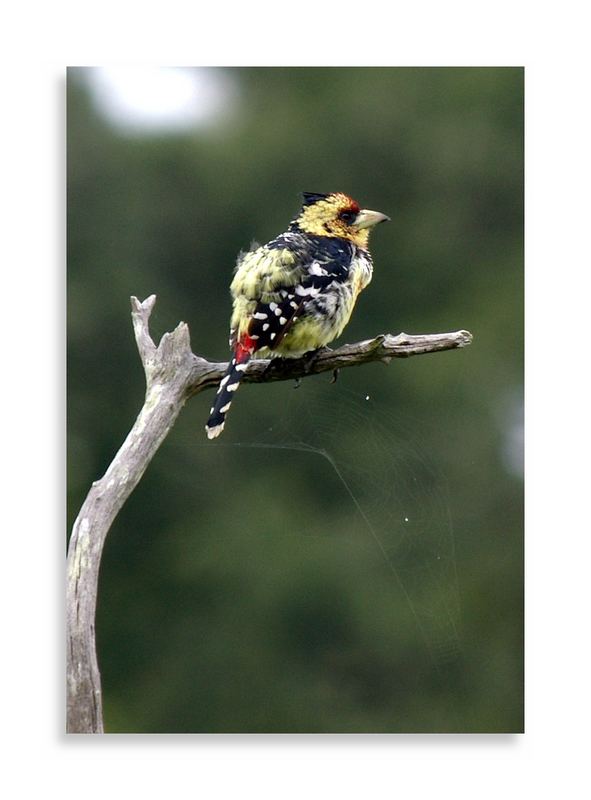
[
  {"x": 173, "y": 374},
  {"x": 383, "y": 348}
]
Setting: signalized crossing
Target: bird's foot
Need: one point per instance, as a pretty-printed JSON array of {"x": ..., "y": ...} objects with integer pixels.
[
  {"x": 312, "y": 356},
  {"x": 275, "y": 363}
]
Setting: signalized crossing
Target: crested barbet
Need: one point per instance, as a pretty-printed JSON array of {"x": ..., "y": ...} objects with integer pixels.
[{"x": 295, "y": 294}]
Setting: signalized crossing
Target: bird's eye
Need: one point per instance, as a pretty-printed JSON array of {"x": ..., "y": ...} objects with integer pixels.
[{"x": 347, "y": 216}]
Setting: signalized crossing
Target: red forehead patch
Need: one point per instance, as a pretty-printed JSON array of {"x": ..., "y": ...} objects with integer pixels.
[{"x": 352, "y": 205}]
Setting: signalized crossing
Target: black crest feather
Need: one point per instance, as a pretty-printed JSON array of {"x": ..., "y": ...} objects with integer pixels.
[{"x": 312, "y": 197}]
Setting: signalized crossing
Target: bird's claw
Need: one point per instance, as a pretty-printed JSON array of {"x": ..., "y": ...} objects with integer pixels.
[
  {"x": 312, "y": 356},
  {"x": 274, "y": 363}
]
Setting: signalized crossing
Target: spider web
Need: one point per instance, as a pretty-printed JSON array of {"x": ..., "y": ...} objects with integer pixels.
[{"x": 393, "y": 490}]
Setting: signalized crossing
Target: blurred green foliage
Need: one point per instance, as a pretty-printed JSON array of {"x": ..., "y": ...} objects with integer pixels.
[{"x": 335, "y": 563}]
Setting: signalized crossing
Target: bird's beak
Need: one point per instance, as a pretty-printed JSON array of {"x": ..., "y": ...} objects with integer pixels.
[{"x": 367, "y": 218}]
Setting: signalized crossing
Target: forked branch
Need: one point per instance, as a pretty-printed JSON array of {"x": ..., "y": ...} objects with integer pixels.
[{"x": 173, "y": 374}]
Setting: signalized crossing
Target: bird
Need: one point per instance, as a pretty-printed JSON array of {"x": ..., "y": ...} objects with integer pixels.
[{"x": 294, "y": 295}]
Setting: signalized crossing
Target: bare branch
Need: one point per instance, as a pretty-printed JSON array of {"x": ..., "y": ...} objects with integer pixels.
[
  {"x": 140, "y": 317},
  {"x": 167, "y": 369},
  {"x": 383, "y": 349},
  {"x": 173, "y": 374}
]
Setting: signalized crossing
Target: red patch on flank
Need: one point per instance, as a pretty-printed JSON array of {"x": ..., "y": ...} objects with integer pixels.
[{"x": 244, "y": 349}]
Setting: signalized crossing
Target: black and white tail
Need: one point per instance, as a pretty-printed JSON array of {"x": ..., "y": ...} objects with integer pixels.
[{"x": 226, "y": 391}]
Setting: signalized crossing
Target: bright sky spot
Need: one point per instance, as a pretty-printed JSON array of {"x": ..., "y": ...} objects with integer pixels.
[
  {"x": 157, "y": 99},
  {"x": 508, "y": 410}
]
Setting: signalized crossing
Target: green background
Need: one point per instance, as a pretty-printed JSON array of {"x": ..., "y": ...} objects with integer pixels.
[{"x": 348, "y": 557}]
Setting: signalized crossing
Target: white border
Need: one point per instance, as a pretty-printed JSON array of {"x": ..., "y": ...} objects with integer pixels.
[{"x": 552, "y": 43}]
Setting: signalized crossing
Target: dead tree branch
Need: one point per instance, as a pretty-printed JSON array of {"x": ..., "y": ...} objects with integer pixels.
[{"x": 173, "y": 374}]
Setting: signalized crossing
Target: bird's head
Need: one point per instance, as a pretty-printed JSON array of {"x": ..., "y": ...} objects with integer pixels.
[{"x": 337, "y": 215}]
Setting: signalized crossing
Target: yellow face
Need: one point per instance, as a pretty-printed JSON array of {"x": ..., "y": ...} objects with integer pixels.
[{"x": 339, "y": 216}]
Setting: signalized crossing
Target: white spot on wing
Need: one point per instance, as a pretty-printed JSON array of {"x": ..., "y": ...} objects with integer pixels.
[
  {"x": 311, "y": 291},
  {"x": 316, "y": 269}
]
